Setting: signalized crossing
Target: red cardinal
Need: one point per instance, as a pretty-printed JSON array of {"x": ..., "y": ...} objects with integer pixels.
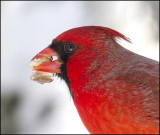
[{"x": 114, "y": 90}]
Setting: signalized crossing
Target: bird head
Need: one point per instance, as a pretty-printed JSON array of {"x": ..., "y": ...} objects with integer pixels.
[{"x": 70, "y": 54}]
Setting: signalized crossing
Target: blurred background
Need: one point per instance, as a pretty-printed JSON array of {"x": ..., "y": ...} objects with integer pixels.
[{"x": 27, "y": 27}]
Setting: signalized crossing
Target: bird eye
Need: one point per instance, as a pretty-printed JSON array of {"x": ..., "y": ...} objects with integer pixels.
[{"x": 69, "y": 47}]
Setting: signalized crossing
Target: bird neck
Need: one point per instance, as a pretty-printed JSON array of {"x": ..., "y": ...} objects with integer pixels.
[{"x": 87, "y": 72}]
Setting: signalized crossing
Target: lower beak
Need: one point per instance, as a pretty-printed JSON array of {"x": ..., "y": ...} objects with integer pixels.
[{"x": 51, "y": 67}]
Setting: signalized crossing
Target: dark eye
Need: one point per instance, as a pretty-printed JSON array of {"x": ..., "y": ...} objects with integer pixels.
[{"x": 69, "y": 47}]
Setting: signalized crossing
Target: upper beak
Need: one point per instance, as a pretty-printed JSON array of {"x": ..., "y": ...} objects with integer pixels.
[{"x": 43, "y": 61}]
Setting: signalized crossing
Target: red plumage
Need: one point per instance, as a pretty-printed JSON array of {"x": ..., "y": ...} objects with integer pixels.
[{"x": 114, "y": 90}]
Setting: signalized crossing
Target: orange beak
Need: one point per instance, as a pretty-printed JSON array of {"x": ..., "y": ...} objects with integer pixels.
[{"x": 44, "y": 61}]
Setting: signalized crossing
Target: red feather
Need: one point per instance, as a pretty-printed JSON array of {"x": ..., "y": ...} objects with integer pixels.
[{"x": 115, "y": 90}]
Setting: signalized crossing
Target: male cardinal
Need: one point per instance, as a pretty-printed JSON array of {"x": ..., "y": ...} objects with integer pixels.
[{"x": 114, "y": 90}]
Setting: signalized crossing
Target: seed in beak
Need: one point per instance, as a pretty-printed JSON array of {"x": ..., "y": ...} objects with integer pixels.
[{"x": 42, "y": 77}]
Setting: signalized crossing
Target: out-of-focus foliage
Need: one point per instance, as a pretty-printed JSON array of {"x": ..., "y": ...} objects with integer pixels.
[{"x": 9, "y": 105}]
